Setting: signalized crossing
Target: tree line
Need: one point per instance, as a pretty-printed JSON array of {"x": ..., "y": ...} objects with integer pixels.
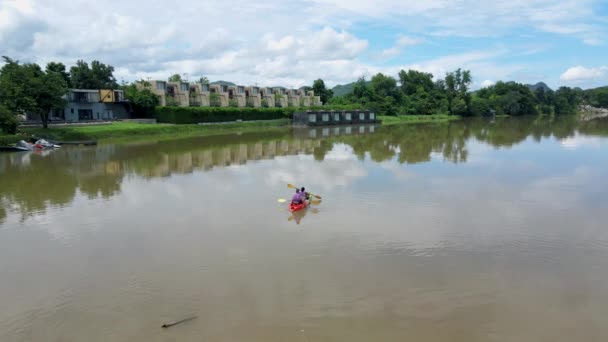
[{"x": 419, "y": 93}]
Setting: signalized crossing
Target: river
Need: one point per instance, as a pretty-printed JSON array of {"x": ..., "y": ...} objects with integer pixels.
[{"x": 473, "y": 230}]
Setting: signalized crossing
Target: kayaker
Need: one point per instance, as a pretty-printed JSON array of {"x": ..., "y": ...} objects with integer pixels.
[
  {"x": 305, "y": 195},
  {"x": 297, "y": 197}
]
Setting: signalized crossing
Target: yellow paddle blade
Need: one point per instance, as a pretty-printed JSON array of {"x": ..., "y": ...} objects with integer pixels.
[
  {"x": 315, "y": 202},
  {"x": 291, "y": 186},
  {"x": 281, "y": 200},
  {"x": 315, "y": 196}
]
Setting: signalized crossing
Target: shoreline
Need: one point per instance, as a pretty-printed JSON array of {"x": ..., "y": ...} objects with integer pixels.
[{"x": 121, "y": 131}]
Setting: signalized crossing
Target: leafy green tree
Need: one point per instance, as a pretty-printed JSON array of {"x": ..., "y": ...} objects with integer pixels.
[
  {"x": 203, "y": 80},
  {"x": 26, "y": 88},
  {"x": 98, "y": 76},
  {"x": 175, "y": 78},
  {"x": 8, "y": 121},
  {"x": 60, "y": 69},
  {"x": 412, "y": 80},
  {"x": 142, "y": 100},
  {"x": 457, "y": 85},
  {"x": 384, "y": 86},
  {"x": 480, "y": 106},
  {"x": 319, "y": 88}
]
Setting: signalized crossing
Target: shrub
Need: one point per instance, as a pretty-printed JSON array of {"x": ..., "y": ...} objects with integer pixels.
[
  {"x": 193, "y": 115},
  {"x": 8, "y": 121}
]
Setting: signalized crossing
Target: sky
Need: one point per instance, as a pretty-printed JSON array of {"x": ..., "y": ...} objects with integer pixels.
[{"x": 291, "y": 43}]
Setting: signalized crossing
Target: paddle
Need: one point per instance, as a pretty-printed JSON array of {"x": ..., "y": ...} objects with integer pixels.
[{"x": 295, "y": 187}]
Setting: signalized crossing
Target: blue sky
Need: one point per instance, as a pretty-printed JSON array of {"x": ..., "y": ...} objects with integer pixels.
[{"x": 291, "y": 43}]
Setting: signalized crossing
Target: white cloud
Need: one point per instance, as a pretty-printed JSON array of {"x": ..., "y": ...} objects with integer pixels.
[
  {"x": 408, "y": 41},
  {"x": 581, "y": 73},
  {"x": 285, "y": 42},
  {"x": 487, "y": 83}
]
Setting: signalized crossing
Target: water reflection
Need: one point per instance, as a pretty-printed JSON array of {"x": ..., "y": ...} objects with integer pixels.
[{"x": 30, "y": 183}]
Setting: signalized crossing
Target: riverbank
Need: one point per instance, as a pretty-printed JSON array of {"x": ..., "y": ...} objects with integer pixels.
[
  {"x": 404, "y": 119},
  {"x": 127, "y": 130},
  {"x": 134, "y": 131},
  {"x": 588, "y": 113}
]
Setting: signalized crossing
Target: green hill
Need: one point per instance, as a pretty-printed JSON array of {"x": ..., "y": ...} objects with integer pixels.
[
  {"x": 345, "y": 89},
  {"x": 226, "y": 83},
  {"x": 543, "y": 85}
]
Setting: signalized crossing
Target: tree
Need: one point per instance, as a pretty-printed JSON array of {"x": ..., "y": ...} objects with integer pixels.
[
  {"x": 384, "y": 86},
  {"x": 457, "y": 86},
  {"x": 142, "y": 99},
  {"x": 98, "y": 76},
  {"x": 26, "y": 88},
  {"x": 319, "y": 88},
  {"x": 412, "y": 80},
  {"x": 8, "y": 121},
  {"x": 203, "y": 80},
  {"x": 175, "y": 78},
  {"x": 59, "y": 68}
]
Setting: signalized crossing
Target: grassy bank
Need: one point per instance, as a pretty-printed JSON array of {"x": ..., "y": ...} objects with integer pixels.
[
  {"x": 394, "y": 120},
  {"x": 124, "y": 130},
  {"x": 128, "y": 131}
]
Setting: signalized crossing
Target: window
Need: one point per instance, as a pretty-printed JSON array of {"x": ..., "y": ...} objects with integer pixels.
[
  {"x": 312, "y": 118},
  {"x": 161, "y": 86},
  {"x": 205, "y": 87},
  {"x": 361, "y": 129},
  {"x": 349, "y": 116},
  {"x": 85, "y": 114},
  {"x": 325, "y": 117},
  {"x": 361, "y": 116},
  {"x": 72, "y": 110},
  {"x": 348, "y": 130},
  {"x": 240, "y": 90},
  {"x": 337, "y": 117},
  {"x": 372, "y": 116},
  {"x": 325, "y": 132},
  {"x": 183, "y": 86},
  {"x": 372, "y": 129}
]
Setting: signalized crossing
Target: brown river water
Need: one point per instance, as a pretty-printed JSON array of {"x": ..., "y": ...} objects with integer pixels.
[{"x": 470, "y": 231}]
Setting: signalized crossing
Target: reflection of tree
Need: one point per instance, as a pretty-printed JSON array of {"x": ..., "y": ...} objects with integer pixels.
[
  {"x": 44, "y": 181},
  {"x": 2, "y": 214}
]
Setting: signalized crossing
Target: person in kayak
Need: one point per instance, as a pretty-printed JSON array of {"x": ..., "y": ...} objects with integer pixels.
[
  {"x": 297, "y": 197},
  {"x": 305, "y": 195}
]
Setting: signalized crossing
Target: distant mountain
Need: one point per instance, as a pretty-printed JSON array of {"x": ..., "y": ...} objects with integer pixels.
[
  {"x": 533, "y": 87},
  {"x": 226, "y": 83},
  {"x": 345, "y": 89}
]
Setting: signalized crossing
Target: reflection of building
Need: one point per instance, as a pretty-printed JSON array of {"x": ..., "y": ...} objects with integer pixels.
[
  {"x": 335, "y": 131},
  {"x": 91, "y": 105}
]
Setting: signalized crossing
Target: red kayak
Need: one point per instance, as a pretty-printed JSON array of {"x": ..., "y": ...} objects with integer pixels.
[{"x": 296, "y": 207}]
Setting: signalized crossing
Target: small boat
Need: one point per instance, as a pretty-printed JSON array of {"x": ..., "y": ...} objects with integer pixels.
[
  {"x": 296, "y": 207},
  {"x": 13, "y": 149}
]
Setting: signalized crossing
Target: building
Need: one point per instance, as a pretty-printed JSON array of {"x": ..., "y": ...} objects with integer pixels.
[
  {"x": 280, "y": 97},
  {"x": 293, "y": 98},
  {"x": 219, "y": 95},
  {"x": 183, "y": 94},
  {"x": 267, "y": 97},
  {"x": 199, "y": 95},
  {"x": 90, "y": 105},
  {"x": 236, "y": 96},
  {"x": 178, "y": 94},
  {"x": 326, "y": 118},
  {"x": 254, "y": 98}
]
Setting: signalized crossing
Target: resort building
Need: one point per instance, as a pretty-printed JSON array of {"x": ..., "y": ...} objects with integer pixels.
[{"x": 184, "y": 94}]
